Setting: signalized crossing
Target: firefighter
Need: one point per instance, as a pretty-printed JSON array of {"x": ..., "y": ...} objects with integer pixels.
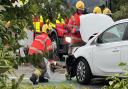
[
  {"x": 107, "y": 11},
  {"x": 74, "y": 24},
  {"x": 47, "y": 28},
  {"x": 41, "y": 46},
  {"x": 76, "y": 40},
  {"x": 97, "y": 10}
]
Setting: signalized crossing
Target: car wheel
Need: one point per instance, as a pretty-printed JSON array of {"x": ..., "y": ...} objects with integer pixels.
[{"x": 83, "y": 72}]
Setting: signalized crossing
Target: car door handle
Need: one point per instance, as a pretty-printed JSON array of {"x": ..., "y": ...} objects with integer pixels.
[{"x": 115, "y": 50}]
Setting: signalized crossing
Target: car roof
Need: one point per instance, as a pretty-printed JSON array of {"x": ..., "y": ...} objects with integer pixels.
[{"x": 121, "y": 21}]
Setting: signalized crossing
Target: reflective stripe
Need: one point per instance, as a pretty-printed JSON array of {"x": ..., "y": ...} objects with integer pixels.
[
  {"x": 50, "y": 47},
  {"x": 40, "y": 41},
  {"x": 46, "y": 39},
  {"x": 37, "y": 24},
  {"x": 43, "y": 37},
  {"x": 76, "y": 38},
  {"x": 35, "y": 49},
  {"x": 44, "y": 43}
]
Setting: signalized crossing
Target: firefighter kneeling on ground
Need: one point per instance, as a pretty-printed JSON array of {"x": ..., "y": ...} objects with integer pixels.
[
  {"x": 41, "y": 51},
  {"x": 76, "y": 40}
]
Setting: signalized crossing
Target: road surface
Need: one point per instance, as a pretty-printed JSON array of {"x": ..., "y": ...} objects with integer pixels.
[{"x": 58, "y": 78}]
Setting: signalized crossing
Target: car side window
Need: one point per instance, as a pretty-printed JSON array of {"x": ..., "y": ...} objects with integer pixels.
[
  {"x": 125, "y": 37},
  {"x": 114, "y": 33}
]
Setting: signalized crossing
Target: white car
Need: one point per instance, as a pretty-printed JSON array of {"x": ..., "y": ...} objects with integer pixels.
[{"x": 102, "y": 53}]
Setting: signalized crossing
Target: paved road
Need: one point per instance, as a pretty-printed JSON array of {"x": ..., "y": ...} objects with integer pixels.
[{"x": 58, "y": 78}]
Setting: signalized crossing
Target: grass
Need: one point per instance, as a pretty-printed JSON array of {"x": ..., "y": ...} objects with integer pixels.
[{"x": 49, "y": 86}]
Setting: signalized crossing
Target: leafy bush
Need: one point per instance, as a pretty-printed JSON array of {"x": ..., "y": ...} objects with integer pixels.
[
  {"x": 7, "y": 62},
  {"x": 61, "y": 86},
  {"x": 122, "y": 13},
  {"x": 116, "y": 82},
  {"x": 119, "y": 9},
  {"x": 10, "y": 32}
]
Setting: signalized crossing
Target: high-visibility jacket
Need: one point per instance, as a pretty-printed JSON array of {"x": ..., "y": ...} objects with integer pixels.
[
  {"x": 60, "y": 27},
  {"x": 52, "y": 25},
  {"x": 46, "y": 28},
  {"x": 38, "y": 23},
  {"x": 74, "y": 25},
  {"x": 41, "y": 44}
]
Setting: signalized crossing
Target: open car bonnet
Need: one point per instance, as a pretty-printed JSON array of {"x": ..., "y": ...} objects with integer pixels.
[{"x": 93, "y": 23}]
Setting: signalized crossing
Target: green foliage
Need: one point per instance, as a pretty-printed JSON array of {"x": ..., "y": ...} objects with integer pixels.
[
  {"x": 62, "y": 86},
  {"x": 11, "y": 30},
  {"x": 16, "y": 84},
  {"x": 35, "y": 59},
  {"x": 58, "y": 86},
  {"x": 49, "y": 9},
  {"x": 122, "y": 13},
  {"x": 117, "y": 3},
  {"x": 3, "y": 81},
  {"x": 116, "y": 82},
  {"x": 6, "y": 60},
  {"x": 10, "y": 36},
  {"x": 120, "y": 9}
]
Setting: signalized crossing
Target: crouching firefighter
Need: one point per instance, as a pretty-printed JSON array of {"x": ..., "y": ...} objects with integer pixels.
[
  {"x": 40, "y": 50},
  {"x": 76, "y": 40}
]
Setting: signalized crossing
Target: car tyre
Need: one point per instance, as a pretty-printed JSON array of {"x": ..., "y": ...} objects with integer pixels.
[{"x": 83, "y": 72}]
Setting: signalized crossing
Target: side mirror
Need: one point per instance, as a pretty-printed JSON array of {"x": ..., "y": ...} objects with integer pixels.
[
  {"x": 98, "y": 41},
  {"x": 95, "y": 42}
]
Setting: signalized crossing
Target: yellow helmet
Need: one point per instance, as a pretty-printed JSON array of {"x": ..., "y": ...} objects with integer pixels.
[
  {"x": 107, "y": 11},
  {"x": 97, "y": 10},
  {"x": 80, "y": 5}
]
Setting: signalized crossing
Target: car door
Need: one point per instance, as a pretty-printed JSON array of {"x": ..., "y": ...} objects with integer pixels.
[
  {"x": 107, "y": 52},
  {"x": 124, "y": 49}
]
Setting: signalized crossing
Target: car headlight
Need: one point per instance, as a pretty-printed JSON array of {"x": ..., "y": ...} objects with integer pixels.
[{"x": 68, "y": 39}]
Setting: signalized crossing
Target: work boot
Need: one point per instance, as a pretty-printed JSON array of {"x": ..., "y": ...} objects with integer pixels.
[
  {"x": 42, "y": 80},
  {"x": 33, "y": 79}
]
